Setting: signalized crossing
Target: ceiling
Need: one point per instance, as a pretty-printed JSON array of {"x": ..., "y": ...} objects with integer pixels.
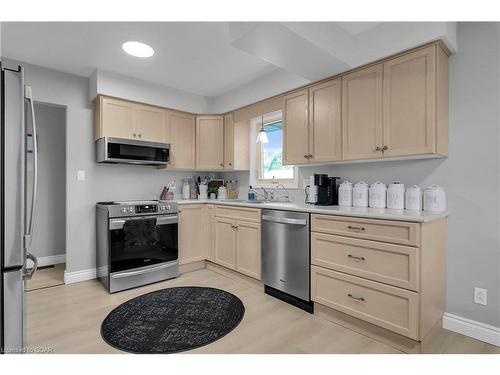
[{"x": 213, "y": 59}]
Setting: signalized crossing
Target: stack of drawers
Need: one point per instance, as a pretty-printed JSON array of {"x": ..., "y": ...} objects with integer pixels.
[{"x": 387, "y": 273}]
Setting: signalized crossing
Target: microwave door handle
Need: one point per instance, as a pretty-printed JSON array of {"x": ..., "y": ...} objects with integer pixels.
[{"x": 29, "y": 235}]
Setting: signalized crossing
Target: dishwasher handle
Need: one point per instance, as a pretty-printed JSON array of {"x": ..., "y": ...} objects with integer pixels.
[{"x": 284, "y": 220}]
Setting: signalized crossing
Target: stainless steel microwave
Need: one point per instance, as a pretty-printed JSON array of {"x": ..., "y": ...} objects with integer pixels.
[{"x": 131, "y": 151}]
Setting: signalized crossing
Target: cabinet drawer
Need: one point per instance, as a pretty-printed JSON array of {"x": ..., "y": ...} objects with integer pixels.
[
  {"x": 391, "y": 264},
  {"x": 386, "y": 306},
  {"x": 239, "y": 213},
  {"x": 379, "y": 230}
]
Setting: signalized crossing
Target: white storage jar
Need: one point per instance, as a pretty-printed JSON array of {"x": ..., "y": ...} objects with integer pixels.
[
  {"x": 360, "y": 194},
  {"x": 434, "y": 199},
  {"x": 377, "y": 194},
  {"x": 396, "y": 196},
  {"x": 413, "y": 198},
  {"x": 345, "y": 194}
]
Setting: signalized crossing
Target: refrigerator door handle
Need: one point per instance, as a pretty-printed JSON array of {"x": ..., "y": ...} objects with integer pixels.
[{"x": 28, "y": 236}]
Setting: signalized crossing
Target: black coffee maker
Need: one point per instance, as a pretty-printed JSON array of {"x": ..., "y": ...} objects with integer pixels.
[{"x": 328, "y": 189}]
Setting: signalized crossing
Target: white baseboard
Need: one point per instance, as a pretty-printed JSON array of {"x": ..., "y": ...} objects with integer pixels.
[
  {"x": 51, "y": 259},
  {"x": 472, "y": 328},
  {"x": 77, "y": 276}
]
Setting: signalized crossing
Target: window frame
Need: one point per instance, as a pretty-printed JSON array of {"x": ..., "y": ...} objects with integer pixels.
[{"x": 256, "y": 155}]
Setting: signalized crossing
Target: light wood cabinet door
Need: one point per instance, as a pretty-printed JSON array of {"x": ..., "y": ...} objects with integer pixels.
[
  {"x": 210, "y": 142},
  {"x": 228, "y": 141},
  {"x": 192, "y": 234},
  {"x": 210, "y": 229},
  {"x": 241, "y": 147},
  {"x": 295, "y": 127},
  {"x": 325, "y": 126},
  {"x": 150, "y": 123},
  {"x": 362, "y": 114},
  {"x": 181, "y": 133},
  {"x": 248, "y": 249},
  {"x": 224, "y": 242},
  {"x": 410, "y": 103},
  {"x": 118, "y": 119}
]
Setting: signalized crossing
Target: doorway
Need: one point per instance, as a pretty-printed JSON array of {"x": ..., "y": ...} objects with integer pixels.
[{"x": 49, "y": 233}]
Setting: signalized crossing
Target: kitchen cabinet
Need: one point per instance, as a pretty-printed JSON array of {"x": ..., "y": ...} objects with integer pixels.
[
  {"x": 124, "y": 119},
  {"x": 224, "y": 241},
  {"x": 312, "y": 124},
  {"x": 325, "y": 126},
  {"x": 397, "y": 108},
  {"x": 295, "y": 127},
  {"x": 237, "y": 239},
  {"x": 248, "y": 248},
  {"x": 192, "y": 233},
  {"x": 209, "y": 215},
  {"x": 228, "y": 141},
  {"x": 362, "y": 114},
  {"x": 210, "y": 142},
  {"x": 181, "y": 134},
  {"x": 410, "y": 102}
]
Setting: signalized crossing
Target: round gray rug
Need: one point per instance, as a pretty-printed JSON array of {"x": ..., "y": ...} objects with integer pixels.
[{"x": 172, "y": 320}]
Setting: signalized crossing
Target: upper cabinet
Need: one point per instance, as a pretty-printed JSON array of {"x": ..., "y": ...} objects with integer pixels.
[
  {"x": 295, "y": 127},
  {"x": 236, "y": 144},
  {"x": 325, "y": 126},
  {"x": 397, "y": 108},
  {"x": 210, "y": 142},
  {"x": 123, "y": 119},
  {"x": 312, "y": 124},
  {"x": 181, "y": 134},
  {"x": 410, "y": 107},
  {"x": 362, "y": 114}
]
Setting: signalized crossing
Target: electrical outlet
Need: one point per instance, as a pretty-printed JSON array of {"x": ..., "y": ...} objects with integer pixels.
[
  {"x": 480, "y": 296},
  {"x": 80, "y": 174}
]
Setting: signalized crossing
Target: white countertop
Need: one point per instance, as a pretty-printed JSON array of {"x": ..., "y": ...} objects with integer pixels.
[{"x": 371, "y": 213}]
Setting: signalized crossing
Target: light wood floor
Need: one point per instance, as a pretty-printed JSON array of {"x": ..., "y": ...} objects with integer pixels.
[
  {"x": 46, "y": 278},
  {"x": 67, "y": 318}
]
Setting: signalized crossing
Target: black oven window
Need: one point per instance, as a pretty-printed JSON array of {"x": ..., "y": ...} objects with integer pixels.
[
  {"x": 141, "y": 243},
  {"x": 134, "y": 152}
]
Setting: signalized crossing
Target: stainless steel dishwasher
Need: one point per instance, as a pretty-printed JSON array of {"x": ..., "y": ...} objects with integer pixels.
[{"x": 286, "y": 256}]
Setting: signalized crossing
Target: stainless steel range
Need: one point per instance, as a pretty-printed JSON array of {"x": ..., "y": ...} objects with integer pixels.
[{"x": 136, "y": 243}]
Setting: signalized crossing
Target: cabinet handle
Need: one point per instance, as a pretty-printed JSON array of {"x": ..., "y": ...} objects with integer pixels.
[
  {"x": 385, "y": 148},
  {"x": 135, "y": 135},
  {"x": 221, "y": 164},
  {"x": 355, "y": 298},
  {"x": 140, "y": 135},
  {"x": 309, "y": 156},
  {"x": 355, "y": 228},
  {"x": 230, "y": 164},
  {"x": 306, "y": 156},
  {"x": 355, "y": 257},
  {"x": 378, "y": 148}
]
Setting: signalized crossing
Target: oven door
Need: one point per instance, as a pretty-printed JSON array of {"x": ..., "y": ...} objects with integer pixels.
[{"x": 142, "y": 241}]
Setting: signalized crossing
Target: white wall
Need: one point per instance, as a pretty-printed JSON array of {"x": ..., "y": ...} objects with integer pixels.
[
  {"x": 470, "y": 175},
  {"x": 49, "y": 234},
  {"x": 120, "y": 86},
  {"x": 103, "y": 182}
]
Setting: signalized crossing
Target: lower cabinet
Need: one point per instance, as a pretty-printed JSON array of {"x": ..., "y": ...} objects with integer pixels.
[
  {"x": 224, "y": 242},
  {"x": 237, "y": 245},
  {"x": 248, "y": 248},
  {"x": 192, "y": 243}
]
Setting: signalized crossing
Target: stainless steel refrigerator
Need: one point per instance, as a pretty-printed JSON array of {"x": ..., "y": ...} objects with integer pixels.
[{"x": 18, "y": 196}]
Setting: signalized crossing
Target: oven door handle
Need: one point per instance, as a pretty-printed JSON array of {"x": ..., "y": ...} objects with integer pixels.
[
  {"x": 143, "y": 271},
  {"x": 170, "y": 219}
]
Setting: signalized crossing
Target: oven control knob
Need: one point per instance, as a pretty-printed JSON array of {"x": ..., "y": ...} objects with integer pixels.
[
  {"x": 123, "y": 209},
  {"x": 130, "y": 209},
  {"x": 163, "y": 207},
  {"x": 169, "y": 207}
]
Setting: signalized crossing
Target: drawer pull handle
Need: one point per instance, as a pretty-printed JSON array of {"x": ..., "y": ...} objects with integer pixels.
[
  {"x": 355, "y": 257},
  {"x": 356, "y": 298},
  {"x": 355, "y": 228}
]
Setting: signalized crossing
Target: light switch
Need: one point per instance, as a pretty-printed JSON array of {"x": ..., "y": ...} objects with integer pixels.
[{"x": 81, "y": 175}]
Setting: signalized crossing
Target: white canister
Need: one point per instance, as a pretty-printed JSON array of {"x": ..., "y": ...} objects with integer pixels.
[
  {"x": 396, "y": 195},
  {"x": 413, "y": 198},
  {"x": 313, "y": 191},
  {"x": 186, "y": 189},
  {"x": 203, "y": 192},
  {"x": 434, "y": 199},
  {"x": 377, "y": 195},
  {"x": 222, "y": 192},
  {"x": 360, "y": 194},
  {"x": 345, "y": 194}
]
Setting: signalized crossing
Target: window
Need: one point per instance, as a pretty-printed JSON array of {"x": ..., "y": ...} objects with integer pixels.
[{"x": 267, "y": 158}]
